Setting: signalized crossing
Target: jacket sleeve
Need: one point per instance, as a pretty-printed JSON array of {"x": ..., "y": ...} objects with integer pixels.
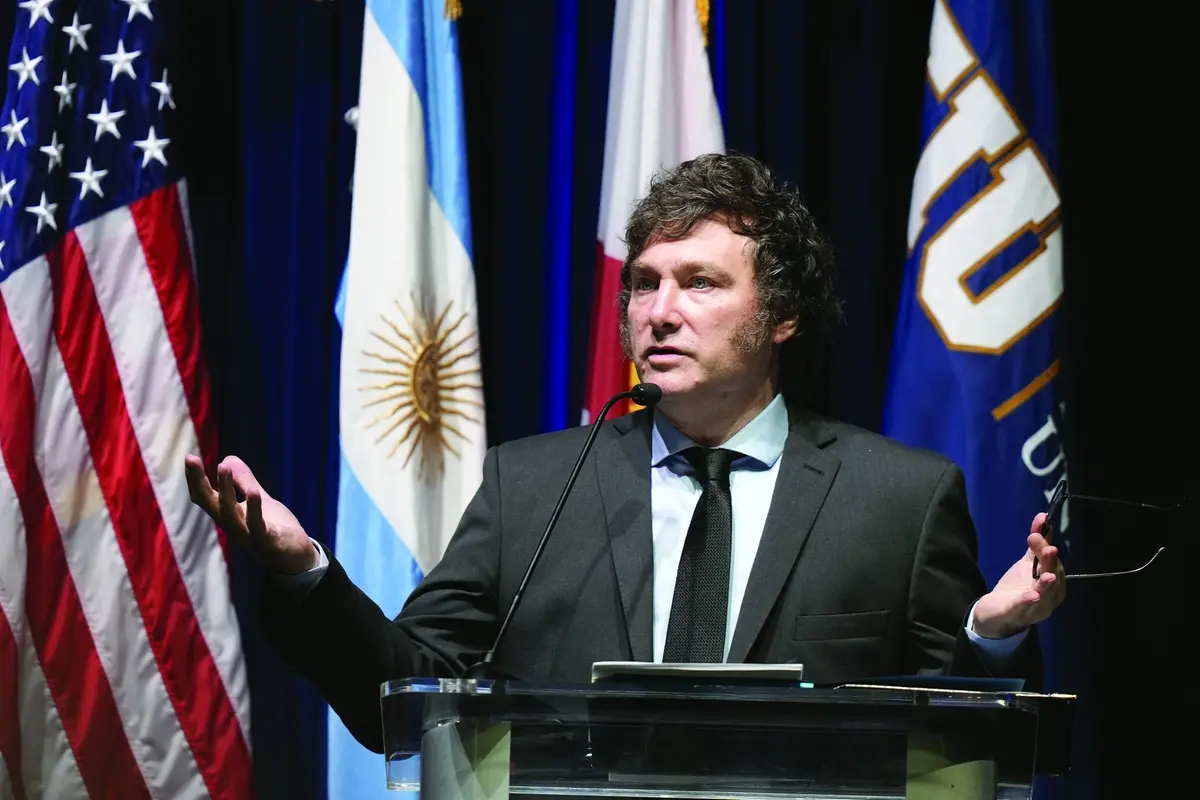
[
  {"x": 945, "y": 584},
  {"x": 343, "y": 643}
]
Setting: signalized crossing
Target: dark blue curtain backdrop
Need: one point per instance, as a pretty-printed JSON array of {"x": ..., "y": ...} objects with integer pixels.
[{"x": 828, "y": 94}]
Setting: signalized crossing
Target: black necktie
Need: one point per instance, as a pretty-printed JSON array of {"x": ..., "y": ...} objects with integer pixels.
[{"x": 696, "y": 632}]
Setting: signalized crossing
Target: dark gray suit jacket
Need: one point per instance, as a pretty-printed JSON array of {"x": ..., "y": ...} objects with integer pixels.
[{"x": 866, "y": 568}]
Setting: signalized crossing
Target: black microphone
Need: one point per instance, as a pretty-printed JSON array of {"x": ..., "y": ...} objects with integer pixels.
[{"x": 644, "y": 394}]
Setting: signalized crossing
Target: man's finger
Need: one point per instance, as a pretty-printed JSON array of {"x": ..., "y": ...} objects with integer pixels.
[
  {"x": 1037, "y": 547},
  {"x": 243, "y": 477},
  {"x": 199, "y": 489},
  {"x": 231, "y": 513},
  {"x": 1048, "y": 559},
  {"x": 254, "y": 517}
]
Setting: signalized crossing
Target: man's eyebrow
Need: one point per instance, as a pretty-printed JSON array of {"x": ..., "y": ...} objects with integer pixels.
[{"x": 691, "y": 266}]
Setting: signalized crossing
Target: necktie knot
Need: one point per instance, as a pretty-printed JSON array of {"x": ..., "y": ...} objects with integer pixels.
[{"x": 711, "y": 463}]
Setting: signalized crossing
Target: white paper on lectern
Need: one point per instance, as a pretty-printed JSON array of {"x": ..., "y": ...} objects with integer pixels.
[{"x": 606, "y": 670}]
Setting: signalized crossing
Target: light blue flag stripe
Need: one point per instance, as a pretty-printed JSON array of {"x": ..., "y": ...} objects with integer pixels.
[
  {"x": 427, "y": 45},
  {"x": 378, "y": 562}
]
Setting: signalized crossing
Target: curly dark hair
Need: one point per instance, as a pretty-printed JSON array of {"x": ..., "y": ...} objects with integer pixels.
[{"x": 793, "y": 263}]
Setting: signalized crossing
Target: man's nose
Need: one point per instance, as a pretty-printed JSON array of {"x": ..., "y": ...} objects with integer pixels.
[{"x": 664, "y": 311}]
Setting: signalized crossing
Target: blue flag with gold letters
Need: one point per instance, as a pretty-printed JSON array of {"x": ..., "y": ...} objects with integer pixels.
[{"x": 974, "y": 360}]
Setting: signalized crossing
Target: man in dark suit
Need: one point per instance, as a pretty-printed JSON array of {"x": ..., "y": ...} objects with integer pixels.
[{"x": 727, "y": 523}]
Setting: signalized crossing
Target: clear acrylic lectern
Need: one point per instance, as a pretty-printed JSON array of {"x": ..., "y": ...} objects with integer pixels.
[{"x": 483, "y": 740}]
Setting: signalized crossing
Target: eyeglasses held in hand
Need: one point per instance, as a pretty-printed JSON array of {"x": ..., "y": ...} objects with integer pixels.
[{"x": 1050, "y": 525}]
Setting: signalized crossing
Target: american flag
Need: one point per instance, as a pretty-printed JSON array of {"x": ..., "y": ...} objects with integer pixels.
[{"x": 121, "y": 668}]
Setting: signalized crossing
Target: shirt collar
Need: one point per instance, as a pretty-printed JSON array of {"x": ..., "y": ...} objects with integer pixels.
[{"x": 761, "y": 439}]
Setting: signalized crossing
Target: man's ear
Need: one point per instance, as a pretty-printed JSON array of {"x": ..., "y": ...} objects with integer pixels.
[{"x": 785, "y": 330}]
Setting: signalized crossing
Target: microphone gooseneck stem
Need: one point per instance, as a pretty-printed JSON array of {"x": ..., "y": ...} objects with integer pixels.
[{"x": 637, "y": 393}]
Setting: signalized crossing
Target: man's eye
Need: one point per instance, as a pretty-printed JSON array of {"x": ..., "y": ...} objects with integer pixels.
[
  {"x": 642, "y": 285},
  {"x": 700, "y": 283}
]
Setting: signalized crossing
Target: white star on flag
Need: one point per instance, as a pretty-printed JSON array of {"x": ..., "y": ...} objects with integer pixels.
[
  {"x": 63, "y": 90},
  {"x": 54, "y": 151},
  {"x": 106, "y": 121},
  {"x": 89, "y": 179},
  {"x": 6, "y": 187},
  {"x": 44, "y": 212},
  {"x": 26, "y": 68},
  {"x": 152, "y": 148},
  {"x": 164, "y": 92},
  {"x": 38, "y": 9},
  {"x": 122, "y": 62},
  {"x": 77, "y": 33},
  {"x": 13, "y": 129},
  {"x": 138, "y": 7}
]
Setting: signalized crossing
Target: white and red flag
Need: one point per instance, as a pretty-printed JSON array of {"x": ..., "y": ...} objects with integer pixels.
[{"x": 662, "y": 110}]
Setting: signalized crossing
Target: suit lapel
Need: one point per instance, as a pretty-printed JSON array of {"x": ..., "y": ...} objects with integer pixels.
[
  {"x": 805, "y": 475},
  {"x": 623, "y": 473}
]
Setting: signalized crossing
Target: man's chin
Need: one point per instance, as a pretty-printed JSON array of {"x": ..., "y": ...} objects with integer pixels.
[{"x": 674, "y": 387}]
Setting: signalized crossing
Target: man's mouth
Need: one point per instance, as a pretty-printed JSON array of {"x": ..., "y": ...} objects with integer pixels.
[{"x": 662, "y": 353}]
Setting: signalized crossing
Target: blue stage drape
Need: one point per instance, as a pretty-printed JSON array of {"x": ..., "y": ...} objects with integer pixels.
[
  {"x": 270, "y": 188},
  {"x": 823, "y": 93},
  {"x": 829, "y": 94}
]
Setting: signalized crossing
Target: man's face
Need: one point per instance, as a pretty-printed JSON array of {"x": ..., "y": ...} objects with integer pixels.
[{"x": 694, "y": 326}]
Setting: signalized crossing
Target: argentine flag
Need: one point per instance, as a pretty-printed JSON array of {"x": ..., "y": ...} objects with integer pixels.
[{"x": 411, "y": 409}]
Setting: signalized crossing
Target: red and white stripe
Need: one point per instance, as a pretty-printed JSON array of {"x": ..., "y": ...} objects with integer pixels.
[
  {"x": 118, "y": 623},
  {"x": 662, "y": 110}
]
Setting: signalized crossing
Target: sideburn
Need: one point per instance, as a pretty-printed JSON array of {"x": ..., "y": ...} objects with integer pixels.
[{"x": 754, "y": 333}]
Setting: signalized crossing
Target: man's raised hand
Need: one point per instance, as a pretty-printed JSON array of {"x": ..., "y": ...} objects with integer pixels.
[{"x": 259, "y": 523}]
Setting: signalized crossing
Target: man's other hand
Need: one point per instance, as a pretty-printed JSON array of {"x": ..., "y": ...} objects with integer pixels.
[{"x": 1019, "y": 599}]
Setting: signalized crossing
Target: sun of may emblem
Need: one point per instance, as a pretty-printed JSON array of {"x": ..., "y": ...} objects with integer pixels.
[{"x": 418, "y": 379}]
